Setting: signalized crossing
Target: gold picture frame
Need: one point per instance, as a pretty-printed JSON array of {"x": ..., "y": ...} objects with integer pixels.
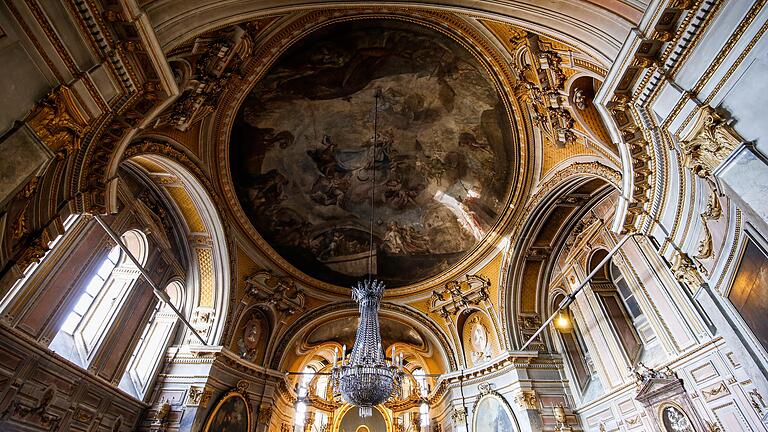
[{"x": 224, "y": 408}]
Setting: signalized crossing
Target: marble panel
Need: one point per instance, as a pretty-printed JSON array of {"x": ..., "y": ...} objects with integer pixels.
[{"x": 23, "y": 155}]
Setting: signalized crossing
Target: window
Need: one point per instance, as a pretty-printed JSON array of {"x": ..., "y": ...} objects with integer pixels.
[
  {"x": 576, "y": 352},
  {"x": 619, "y": 304},
  {"x": 69, "y": 222},
  {"x": 626, "y": 293},
  {"x": 149, "y": 352},
  {"x": 92, "y": 315}
]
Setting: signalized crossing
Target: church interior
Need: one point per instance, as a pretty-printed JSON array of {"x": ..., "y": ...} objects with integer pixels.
[{"x": 384, "y": 216}]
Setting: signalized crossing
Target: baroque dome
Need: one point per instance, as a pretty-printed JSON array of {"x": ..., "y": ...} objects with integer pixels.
[{"x": 302, "y": 157}]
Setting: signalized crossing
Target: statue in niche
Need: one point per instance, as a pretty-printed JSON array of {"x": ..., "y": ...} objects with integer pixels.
[
  {"x": 675, "y": 420},
  {"x": 478, "y": 340}
]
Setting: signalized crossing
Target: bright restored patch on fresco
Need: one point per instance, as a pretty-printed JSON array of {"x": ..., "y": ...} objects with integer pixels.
[{"x": 303, "y": 159}]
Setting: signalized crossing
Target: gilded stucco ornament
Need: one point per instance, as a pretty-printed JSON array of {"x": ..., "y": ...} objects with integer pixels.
[
  {"x": 686, "y": 271},
  {"x": 58, "y": 121},
  {"x": 280, "y": 293},
  {"x": 527, "y": 399},
  {"x": 709, "y": 142},
  {"x": 216, "y": 61},
  {"x": 458, "y": 294},
  {"x": 542, "y": 87},
  {"x": 705, "y": 248}
]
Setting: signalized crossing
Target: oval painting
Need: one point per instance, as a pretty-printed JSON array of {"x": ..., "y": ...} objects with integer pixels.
[
  {"x": 675, "y": 420},
  {"x": 306, "y": 166},
  {"x": 491, "y": 415},
  {"x": 230, "y": 415}
]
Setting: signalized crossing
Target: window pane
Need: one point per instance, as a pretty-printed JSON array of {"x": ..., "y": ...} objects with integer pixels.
[
  {"x": 623, "y": 288},
  {"x": 70, "y": 323},
  {"x": 82, "y": 305},
  {"x": 114, "y": 254},
  {"x": 105, "y": 268},
  {"x": 615, "y": 272},
  {"x": 633, "y": 306},
  {"x": 94, "y": 286}
]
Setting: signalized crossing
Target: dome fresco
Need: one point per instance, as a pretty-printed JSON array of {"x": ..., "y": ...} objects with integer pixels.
[{"x": 303, "y": 160}]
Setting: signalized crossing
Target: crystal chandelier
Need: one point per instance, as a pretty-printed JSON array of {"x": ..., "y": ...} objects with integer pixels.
[{"x": 366, "y": 378}]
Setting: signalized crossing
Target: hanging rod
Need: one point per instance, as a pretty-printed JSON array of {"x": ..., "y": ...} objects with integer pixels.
[
  {"x": 160, "y": 294},
  {"x": 572, "y": 296}
]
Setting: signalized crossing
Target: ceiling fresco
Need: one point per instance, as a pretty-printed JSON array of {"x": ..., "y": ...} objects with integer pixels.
[{"x": 303, "y": 160}]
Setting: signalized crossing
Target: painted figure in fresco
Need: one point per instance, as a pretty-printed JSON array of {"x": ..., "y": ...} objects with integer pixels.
[
  {"x": 306, "y": 181},
  {"x": 404, "y": 240},
  {"x": 268, "y": 188}
]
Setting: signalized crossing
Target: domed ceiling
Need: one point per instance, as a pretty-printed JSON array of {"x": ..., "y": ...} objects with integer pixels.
[{"x": 302, "y": 157}]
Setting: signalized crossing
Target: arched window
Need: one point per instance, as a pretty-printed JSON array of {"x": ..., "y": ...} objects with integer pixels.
[
  {"x": 575, "y": 351},
  {"x": 69, "y": 222},
  {"x": 620, "y": 306},
  {"x": 93, "y": 314},
  {"x": 150, "y": 350}
]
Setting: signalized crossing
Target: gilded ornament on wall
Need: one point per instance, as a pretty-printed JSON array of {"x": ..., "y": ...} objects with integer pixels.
[
  {"x": 58, "y": 121},
  {"x": 709, "y": 143}
]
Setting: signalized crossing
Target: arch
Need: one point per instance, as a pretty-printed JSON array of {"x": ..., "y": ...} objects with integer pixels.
[
  {"x": 294, "y": 335},
  {"x": 597, "y": 30},
  {"x": 524, "y": 299},
  {"x": 385, "y": 413},
  {"x": 186, "y": 189}
]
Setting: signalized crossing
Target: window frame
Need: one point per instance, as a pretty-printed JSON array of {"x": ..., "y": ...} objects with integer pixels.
[{"x": 119, "y": 283}]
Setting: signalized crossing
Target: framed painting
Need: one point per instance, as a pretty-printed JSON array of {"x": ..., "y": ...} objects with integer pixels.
[
  {"x": 231, "y": 414},
  {"x": 673, "y": 419},
  {"x": 493, "y": 414}
]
